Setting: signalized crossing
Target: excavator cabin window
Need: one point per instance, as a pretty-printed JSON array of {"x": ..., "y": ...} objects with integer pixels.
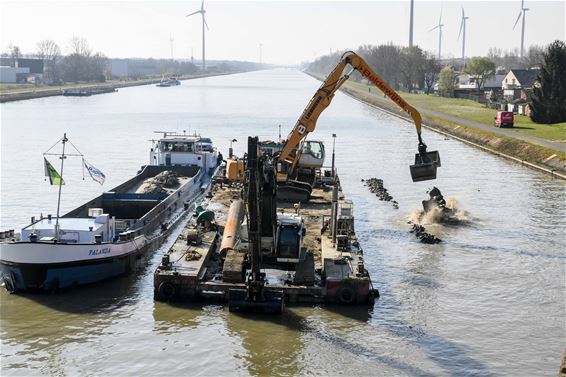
[{"x": 314, "y": 148}]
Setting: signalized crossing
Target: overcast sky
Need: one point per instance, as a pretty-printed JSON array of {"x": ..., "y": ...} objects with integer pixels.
[{"x": 290, "y": 31}]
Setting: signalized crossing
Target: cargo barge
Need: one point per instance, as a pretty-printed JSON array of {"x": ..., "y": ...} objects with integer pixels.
[{"x": 109, "y": 235}]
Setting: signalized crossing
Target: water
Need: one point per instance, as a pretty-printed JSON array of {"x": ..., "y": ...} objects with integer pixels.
[{"x": 489, "y": 300}]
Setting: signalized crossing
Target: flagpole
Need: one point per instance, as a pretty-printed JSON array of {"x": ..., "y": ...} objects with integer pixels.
[{"x": 60, "y": 184}]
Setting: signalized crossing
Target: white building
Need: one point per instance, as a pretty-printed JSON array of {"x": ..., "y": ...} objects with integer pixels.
[{"x": 10, "y": 74}]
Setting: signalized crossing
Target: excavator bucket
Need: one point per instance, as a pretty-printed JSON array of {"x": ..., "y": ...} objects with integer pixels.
[
  {"x": 425, "y": 166},
  {"x": 272, "y": 302}
]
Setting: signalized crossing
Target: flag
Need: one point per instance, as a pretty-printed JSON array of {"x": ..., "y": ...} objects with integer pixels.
[
  {"x": 54, "y": 177},
  {"x": 95, "y": 174}
]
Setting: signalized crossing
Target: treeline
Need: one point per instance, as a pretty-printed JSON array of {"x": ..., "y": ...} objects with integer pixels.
[
  {"x": 410, "y": 68},
  {"x": 81, "y": 64}
]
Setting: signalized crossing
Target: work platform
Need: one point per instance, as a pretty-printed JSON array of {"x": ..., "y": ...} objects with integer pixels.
[{"x": 199, "y": 266}]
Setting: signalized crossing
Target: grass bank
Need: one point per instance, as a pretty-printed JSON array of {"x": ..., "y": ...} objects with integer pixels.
[
  {"x": 539, "y": 157},
  {"x": 476, "y": 112}
]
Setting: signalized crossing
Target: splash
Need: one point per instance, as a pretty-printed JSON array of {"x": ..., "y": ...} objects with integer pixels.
[{"x": 451, "y": 215}]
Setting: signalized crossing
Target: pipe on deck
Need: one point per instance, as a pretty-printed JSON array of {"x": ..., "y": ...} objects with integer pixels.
[{"x": 232, "y": 227}]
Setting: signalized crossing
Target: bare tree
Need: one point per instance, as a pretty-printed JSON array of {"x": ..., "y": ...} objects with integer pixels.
[
  {"x": 79, "y": 46},
  {"x": 534, "y": 57},
  {"x": 50, "y": 52},
  {"x": 14, "y": 52},
  {"x": 432, "y": 70}
]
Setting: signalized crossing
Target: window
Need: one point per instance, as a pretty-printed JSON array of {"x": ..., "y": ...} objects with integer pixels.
[{"x": 314, "y": 148}]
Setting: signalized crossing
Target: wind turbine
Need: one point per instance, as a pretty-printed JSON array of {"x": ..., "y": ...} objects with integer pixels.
[
  {"x": 439, "y": 27},
  {"x": 522, "y": 13},
  {"x": 202, "y": 12},
  {"x": 463, "y": 33}
]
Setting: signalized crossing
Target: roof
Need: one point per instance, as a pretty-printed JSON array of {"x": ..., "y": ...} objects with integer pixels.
[{"x": 525, "y": 77}]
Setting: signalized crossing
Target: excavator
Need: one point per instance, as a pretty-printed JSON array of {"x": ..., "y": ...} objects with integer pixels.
[
  {"x": 270, "y": 177},
  {"x": 292, "y": 159}
]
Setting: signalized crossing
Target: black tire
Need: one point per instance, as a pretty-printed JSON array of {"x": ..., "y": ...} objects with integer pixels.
[
  {"x": 346, "y": 295},
  {"x": 166, "y": 291},
  {"x": 9, "y": 284}
]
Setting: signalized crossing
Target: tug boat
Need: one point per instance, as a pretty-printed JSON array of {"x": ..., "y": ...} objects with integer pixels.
[{"x": 110, "y": 234}]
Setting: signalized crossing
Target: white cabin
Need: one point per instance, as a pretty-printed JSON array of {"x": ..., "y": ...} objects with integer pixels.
[{"x": 183, "y": 150}]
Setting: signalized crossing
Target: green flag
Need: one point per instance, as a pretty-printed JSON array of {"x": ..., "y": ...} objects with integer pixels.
[{"x": 54, "y": 177}]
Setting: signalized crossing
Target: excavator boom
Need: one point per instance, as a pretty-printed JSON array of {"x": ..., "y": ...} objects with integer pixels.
[{"x": 324, "y": 95}]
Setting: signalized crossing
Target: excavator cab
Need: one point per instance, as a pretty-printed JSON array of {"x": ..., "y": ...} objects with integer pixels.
[{"x": 312, "y": 154}]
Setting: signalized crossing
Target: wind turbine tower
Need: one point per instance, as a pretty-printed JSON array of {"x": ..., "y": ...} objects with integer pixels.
[
  {"x": 411, "y": 24},
  {"x": 171, "y": 40},
  {"x": 439, "y": 27},
  {"x": 522, "y": 13},
  {"x": 463, "y": 33},
  {"x": 204, "y": 24}
]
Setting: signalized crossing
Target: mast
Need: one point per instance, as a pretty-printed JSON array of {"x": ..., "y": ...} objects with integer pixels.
[{"x": 63, "y": 157}]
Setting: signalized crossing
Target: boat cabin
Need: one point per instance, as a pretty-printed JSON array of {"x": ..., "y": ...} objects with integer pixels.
[{"x": 183, "y": 150}]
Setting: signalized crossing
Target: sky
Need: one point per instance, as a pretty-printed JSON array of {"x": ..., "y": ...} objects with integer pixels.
[{"x": 289, "y": 32}]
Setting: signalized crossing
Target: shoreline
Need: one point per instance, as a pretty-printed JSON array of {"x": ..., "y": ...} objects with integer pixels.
[
  {"x": 33, "y": 93},
  {"x": 544, "y": 159}
]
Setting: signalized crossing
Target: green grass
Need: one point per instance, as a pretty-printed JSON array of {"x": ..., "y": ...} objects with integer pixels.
[{"x": 473, "y": 111}]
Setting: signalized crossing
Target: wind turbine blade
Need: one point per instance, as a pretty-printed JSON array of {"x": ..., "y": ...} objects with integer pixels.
[
  {"x": 198, "y": 11},
  {"x": 436, "y": 27},
  {"x": 522, "y": 4},
  {"x": 205, "y": 24},
  {"x": 518, "y": 18},
  {"x": 461, "y": 27},
  {"x": 463, "y": 12},
  {"x": 202, "y": 5}
]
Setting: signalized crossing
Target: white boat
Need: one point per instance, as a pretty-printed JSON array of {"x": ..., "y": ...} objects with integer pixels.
[{"x": 109, "y": 235}]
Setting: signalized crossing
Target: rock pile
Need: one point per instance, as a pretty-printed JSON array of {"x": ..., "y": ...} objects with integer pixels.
[
  {"x": 423, "y": 236},
  {"x": 159, "y": 183},
  {"x": 376, "y": 187}
]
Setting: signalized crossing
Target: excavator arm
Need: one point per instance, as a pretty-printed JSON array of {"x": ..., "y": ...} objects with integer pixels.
[{"x": 325, "y": 94}]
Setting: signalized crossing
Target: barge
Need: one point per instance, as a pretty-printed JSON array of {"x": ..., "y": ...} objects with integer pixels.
[
  {"x": 312, "y": 256},
  {"x": 109, "y": 235}
]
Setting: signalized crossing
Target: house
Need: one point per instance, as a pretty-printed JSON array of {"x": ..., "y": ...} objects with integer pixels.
[{"x": 517, "y": 89}]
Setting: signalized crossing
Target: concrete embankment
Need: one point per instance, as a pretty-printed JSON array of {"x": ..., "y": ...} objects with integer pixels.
[
  {"x": 38, "y": 93},
  {"x": 537, "y": 157}
]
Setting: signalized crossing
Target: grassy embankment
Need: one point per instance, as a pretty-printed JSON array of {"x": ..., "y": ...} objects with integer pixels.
[
  {"x": 474, "y": 111},
  {"x": 545, "y": 158}
]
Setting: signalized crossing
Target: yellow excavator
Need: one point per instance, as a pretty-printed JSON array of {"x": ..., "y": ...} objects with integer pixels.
[{"x": 291, "y": 187}]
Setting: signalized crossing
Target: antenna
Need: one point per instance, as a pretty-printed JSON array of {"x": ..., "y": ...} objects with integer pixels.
[
  {"x": 171, "y": 40},
  {"x": 202, "y": 12},
  {"x": 411, "y": 24}
]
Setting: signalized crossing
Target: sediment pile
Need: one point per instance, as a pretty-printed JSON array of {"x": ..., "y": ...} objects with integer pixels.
[{"x": 376, "y": 187}]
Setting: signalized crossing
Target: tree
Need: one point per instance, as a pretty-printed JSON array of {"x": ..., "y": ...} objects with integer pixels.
[
  {"x": 411, "y": 66},
  {"x": 482, "y": 69},
  {"x": 432, "y": 69},
  {"x": 14, "y": 52},
  {"x": 549, "y": 92},
  {"x": 50, "y": 52},
  {"x": 534, "y": 57},
  {"x": 447, "y": 82}
]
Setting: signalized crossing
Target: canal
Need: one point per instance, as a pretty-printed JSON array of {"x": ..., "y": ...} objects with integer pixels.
[{"x": 488, "y": 300}]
